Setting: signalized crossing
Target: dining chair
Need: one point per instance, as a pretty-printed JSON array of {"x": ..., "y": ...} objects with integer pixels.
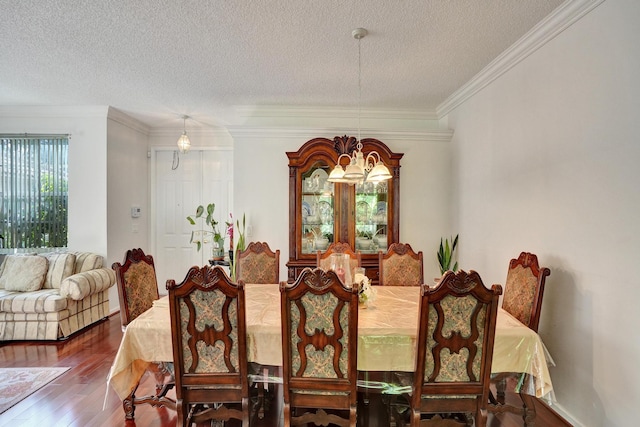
[
  {"x": 137, "y": 284},
  {"x": 323, "y": 259},
  {"x": 258, "y": 264},
  {"x": 137, "y": 290},
  {"x": 400, "y": 266},
  {"x": 208, "y": 330},
  {"x": 319, "y": 346},
  {"x": 454, "y": 349},
  {"x": 522, "y": 299},
  {"x": 524, "y": 289}
]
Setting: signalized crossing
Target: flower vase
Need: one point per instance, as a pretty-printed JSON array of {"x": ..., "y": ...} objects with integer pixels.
[
  {"x": 217, "y": 253},
  {"x": 340, "y": 263}
]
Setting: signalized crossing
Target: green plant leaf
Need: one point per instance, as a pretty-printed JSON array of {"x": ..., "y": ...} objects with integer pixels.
[
  {"x": 191, "y": 220},
  {"x": 445, "y": 254},
  {"x": 199, "y": 211}
]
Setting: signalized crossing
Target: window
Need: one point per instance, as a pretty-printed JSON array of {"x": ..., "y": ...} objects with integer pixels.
[{"x": 34, "y": 191}]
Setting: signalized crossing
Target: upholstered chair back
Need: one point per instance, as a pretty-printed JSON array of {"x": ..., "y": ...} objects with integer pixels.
[
  {"x": 137, "y": 284},
  {"x": 208, "y": 330},
  {"x": 323, "y": 259},
  {"x": 524, "y": 289},
  {"x": 401, "y": 266},
  {"x": 258, "y": 264},
  {"x": 455, "y": 346},
  {"x": 319, "y": 330}
]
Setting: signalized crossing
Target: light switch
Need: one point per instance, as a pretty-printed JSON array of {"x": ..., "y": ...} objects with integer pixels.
[{"x": 135, "y": 211}]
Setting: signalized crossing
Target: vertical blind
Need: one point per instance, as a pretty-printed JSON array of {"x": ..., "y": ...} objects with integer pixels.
[{"x": 34, "y": 191}]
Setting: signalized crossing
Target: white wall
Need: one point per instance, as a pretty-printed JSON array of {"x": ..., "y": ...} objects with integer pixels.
[
  {"x": 546, "y": 161},
  {"x": 261, "y": 178},
  {"x": 127, "y": 186}
]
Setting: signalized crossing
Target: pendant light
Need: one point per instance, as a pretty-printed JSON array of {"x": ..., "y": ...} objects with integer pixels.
[
  {"x": 184, "y": 144},
  {"x": 360, "y": 168}
]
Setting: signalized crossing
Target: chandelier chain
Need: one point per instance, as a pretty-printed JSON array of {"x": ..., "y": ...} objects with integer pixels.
[{"x": 359, "y": 88}]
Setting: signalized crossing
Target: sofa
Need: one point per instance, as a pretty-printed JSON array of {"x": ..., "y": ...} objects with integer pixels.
[{"x": 50, "y": 296}]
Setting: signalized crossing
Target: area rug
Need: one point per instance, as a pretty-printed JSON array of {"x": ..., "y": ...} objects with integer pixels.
[{"x": 18, "y": 383}]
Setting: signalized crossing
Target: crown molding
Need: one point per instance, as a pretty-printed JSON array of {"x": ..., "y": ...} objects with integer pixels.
[
  {"x": 274, "y": 111},
  {"x": 177, "y": 131},
  {"x": 560, "y": 19},
  {"x": 126, "y": 120},
  {"x": 47, "y": 111},
  {"x": 432, "y": 135}
]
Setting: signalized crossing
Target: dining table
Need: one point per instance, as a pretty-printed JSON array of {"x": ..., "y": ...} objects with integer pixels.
[{"x": 387, "y": 333}]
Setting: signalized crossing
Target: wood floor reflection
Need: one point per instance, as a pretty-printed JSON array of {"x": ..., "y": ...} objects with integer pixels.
[{"x": 77, "y": 397}]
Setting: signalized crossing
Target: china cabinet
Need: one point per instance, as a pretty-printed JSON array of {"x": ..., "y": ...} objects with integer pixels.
[{"x": 364, "y": 215}]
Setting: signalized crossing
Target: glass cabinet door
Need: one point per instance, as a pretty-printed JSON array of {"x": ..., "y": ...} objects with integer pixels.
[
  {"x": 371, "y": 217},
  {"x": 318, "y": 206}
]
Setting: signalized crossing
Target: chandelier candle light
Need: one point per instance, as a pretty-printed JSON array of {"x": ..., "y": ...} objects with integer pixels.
[{"x": 360, "y": 168}]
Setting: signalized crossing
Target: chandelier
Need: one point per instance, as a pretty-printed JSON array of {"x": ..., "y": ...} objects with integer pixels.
[
  {"x": 184, "y": 144},
  {"x": 360, "y": 168}
]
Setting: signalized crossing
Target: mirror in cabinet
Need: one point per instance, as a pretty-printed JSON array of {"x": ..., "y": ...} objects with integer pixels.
[
  {"x": 317, "y": 202},
  {"x": 371, "y": 217}
]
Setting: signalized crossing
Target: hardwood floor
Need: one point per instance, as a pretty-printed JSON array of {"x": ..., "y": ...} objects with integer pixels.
[{"x": 77, "y": 397}]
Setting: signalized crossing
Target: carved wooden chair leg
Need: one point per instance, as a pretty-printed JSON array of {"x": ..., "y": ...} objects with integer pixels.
[
  {"x": 501, "y": 386},
  {"x": 261, "y": 400},
  {"x": 529, "y": 415},
  {"x": 128, "y": 405}
]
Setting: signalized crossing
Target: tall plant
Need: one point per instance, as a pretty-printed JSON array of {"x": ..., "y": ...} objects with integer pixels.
[
  {"x": 445, "y": 255},
  {"x": 240, "y": 245}
]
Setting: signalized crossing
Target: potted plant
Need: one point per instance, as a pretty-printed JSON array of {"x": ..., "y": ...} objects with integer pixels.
[
  {"x": 240, "y": 245},
  {"x": 445, "y": 255},
  {"x": 199, "y": 237}
]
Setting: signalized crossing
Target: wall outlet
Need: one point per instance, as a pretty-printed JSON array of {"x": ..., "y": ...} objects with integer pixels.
[{"x": 136, "y": 211}]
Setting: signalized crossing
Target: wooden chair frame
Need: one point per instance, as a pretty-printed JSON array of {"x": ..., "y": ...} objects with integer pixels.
[
  {"x": 472, "y": 395},
  {"x": 160, "y": 370},
  {"x": 399, "y": 249},
  {"x": 530, "y": 261},
  {"x": 338, "y": 248},
  {"x": 132, "y": 257},
  {"x": 526, "y": 260},
  {"x": 196, "y": 392},
  {"x": 255, "y": 248},
  {"x": 320, "y": 393}
]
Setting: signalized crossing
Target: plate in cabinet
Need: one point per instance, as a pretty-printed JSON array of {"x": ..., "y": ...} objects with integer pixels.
[{"x": 306, "y": 210}]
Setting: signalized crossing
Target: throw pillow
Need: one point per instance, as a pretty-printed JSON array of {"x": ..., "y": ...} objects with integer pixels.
[
  {"x": 4, "y": 260},
  {"x": 86, "y": 261},
  {"x": 61, "y": 266},
  {"x": 24, "y": 273}
]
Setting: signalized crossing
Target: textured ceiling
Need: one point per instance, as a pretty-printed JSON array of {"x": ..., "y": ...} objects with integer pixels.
[{"x": 159, "y": 59}]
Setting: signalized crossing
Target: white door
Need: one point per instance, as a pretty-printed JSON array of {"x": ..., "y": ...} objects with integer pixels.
[{"x": 201, "y": 177}]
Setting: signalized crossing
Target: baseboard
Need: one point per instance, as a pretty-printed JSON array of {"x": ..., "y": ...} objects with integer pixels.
[{"x": 563, "y": 413}]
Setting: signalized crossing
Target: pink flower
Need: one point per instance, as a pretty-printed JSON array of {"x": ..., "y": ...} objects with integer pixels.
[{"x": 230, "y": 226}]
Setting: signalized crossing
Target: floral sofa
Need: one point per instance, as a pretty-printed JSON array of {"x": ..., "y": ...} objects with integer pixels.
[{"x": 50, "y": 296}]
